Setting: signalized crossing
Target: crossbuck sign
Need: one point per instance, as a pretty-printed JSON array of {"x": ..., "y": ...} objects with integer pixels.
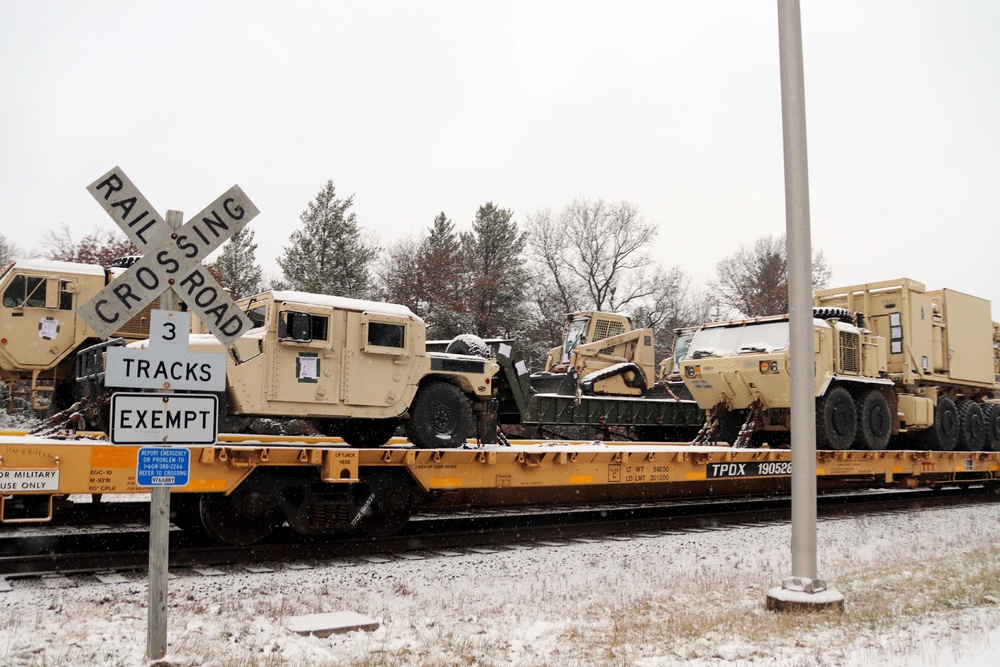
[{"x": 171, "y": 260}]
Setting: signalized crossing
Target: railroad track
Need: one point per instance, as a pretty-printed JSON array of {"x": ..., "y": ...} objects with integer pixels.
[{"x": 51, "y": 551}]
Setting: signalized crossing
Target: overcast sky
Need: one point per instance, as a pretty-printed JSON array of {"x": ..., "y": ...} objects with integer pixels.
[{"x": 418, "y": 108}]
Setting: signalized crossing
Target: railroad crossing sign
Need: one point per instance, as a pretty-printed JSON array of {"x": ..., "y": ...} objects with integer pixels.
[{"x": 170, "y": 259}]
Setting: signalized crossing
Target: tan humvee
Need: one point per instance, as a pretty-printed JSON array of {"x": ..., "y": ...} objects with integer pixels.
[{"x": 357, "y": 369}]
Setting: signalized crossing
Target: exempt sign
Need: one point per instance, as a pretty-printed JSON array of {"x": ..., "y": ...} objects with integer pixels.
[{"x": 189, "y": 419}]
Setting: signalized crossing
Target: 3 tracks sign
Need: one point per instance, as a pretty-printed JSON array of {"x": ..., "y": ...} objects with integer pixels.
[{"x": 171, "y": 259}]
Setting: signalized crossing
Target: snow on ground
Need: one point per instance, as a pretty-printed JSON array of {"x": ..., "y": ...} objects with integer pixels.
[{"x": 920, "y": 589}]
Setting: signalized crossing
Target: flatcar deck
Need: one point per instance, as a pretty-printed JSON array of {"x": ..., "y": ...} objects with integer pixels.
[{"x": 525, "y": 471}]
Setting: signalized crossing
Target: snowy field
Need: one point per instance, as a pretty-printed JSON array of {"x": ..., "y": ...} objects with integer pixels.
[{"x": 919, "y": 590}]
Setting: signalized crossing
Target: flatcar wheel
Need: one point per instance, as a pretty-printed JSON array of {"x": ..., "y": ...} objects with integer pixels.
[
  {"x": 242, "y": 518},
  {"x": 382, "y": 502},
  {"x": 185, "y": 511}
]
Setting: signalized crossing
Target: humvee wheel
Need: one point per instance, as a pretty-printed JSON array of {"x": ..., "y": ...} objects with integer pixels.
[
  {"x": 991, "y": 424},
  {"x": 943, "y": 433},
  {"x": 242, "y": 518},
  {"x": 874, "y": 425},
  {"x": 971, "y": 427},
  {"x": 441, "y": 417},
  {"x": 836, "y": 420},
  {"x": 382, "y": 501}
]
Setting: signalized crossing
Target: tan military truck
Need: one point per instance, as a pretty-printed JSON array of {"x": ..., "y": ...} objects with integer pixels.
[
  {"x": 40, "y": 330},
  {"x": 357, "y": 369},
  {"x": 892, "y": 360}
]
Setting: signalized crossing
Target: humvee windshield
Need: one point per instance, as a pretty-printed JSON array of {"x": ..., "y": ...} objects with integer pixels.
[{"x": 733, "y": 340}]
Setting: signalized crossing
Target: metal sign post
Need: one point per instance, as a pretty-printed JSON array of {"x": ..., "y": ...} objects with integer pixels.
[
  {"x": 803, "y": 590},
  {"x": 170, "y": 268}
]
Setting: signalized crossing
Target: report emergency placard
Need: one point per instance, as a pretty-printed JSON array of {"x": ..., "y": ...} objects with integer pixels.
[{"x": 163, "y": 466}]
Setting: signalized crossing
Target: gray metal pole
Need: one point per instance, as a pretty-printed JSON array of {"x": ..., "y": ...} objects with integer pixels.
[
  {"x": 793, "y": 116},
  {"x": 803, "y": 582},
  {"x": 159, "y": 524}
]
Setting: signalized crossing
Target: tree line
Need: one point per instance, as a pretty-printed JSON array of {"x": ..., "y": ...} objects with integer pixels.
[{"x": 496, "y": 279}]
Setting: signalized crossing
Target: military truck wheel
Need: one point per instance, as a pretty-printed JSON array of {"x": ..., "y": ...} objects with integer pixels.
[
  {"x": 874, "y": 421},
  {"x": 381, "y": 502},
  {"x": 836, "y": 420},
  {"x": 971, "y": 429},
  {"x": 943, "y": 434},
  {"x": 991, "y": 427},
  {"x": 441, "y": 416}
]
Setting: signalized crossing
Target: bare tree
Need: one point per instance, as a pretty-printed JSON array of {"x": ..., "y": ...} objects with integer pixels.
[
  {"x": 754, "y": 280},
  {"x": 429, "y": 277},
  {"x": 398, "y": 276},
  {"x": 97, "y": 247},
  {"x": 675, "y": 305},
  {"x": 596, "y": 256},
  {"x": 594, "y": 253}
]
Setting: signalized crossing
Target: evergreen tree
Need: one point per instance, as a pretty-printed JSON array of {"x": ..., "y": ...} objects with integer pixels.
[
  {"x": 237, "y": 264},
  {"x": 329, "y": 255},
  {"x": 444, "y": 283},
  {"x": 498, "y": 279},
  {"x": 7, "y": 250}
]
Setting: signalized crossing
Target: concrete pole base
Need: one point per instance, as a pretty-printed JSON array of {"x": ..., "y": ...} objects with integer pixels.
[{"x": 799, "y": 594}]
